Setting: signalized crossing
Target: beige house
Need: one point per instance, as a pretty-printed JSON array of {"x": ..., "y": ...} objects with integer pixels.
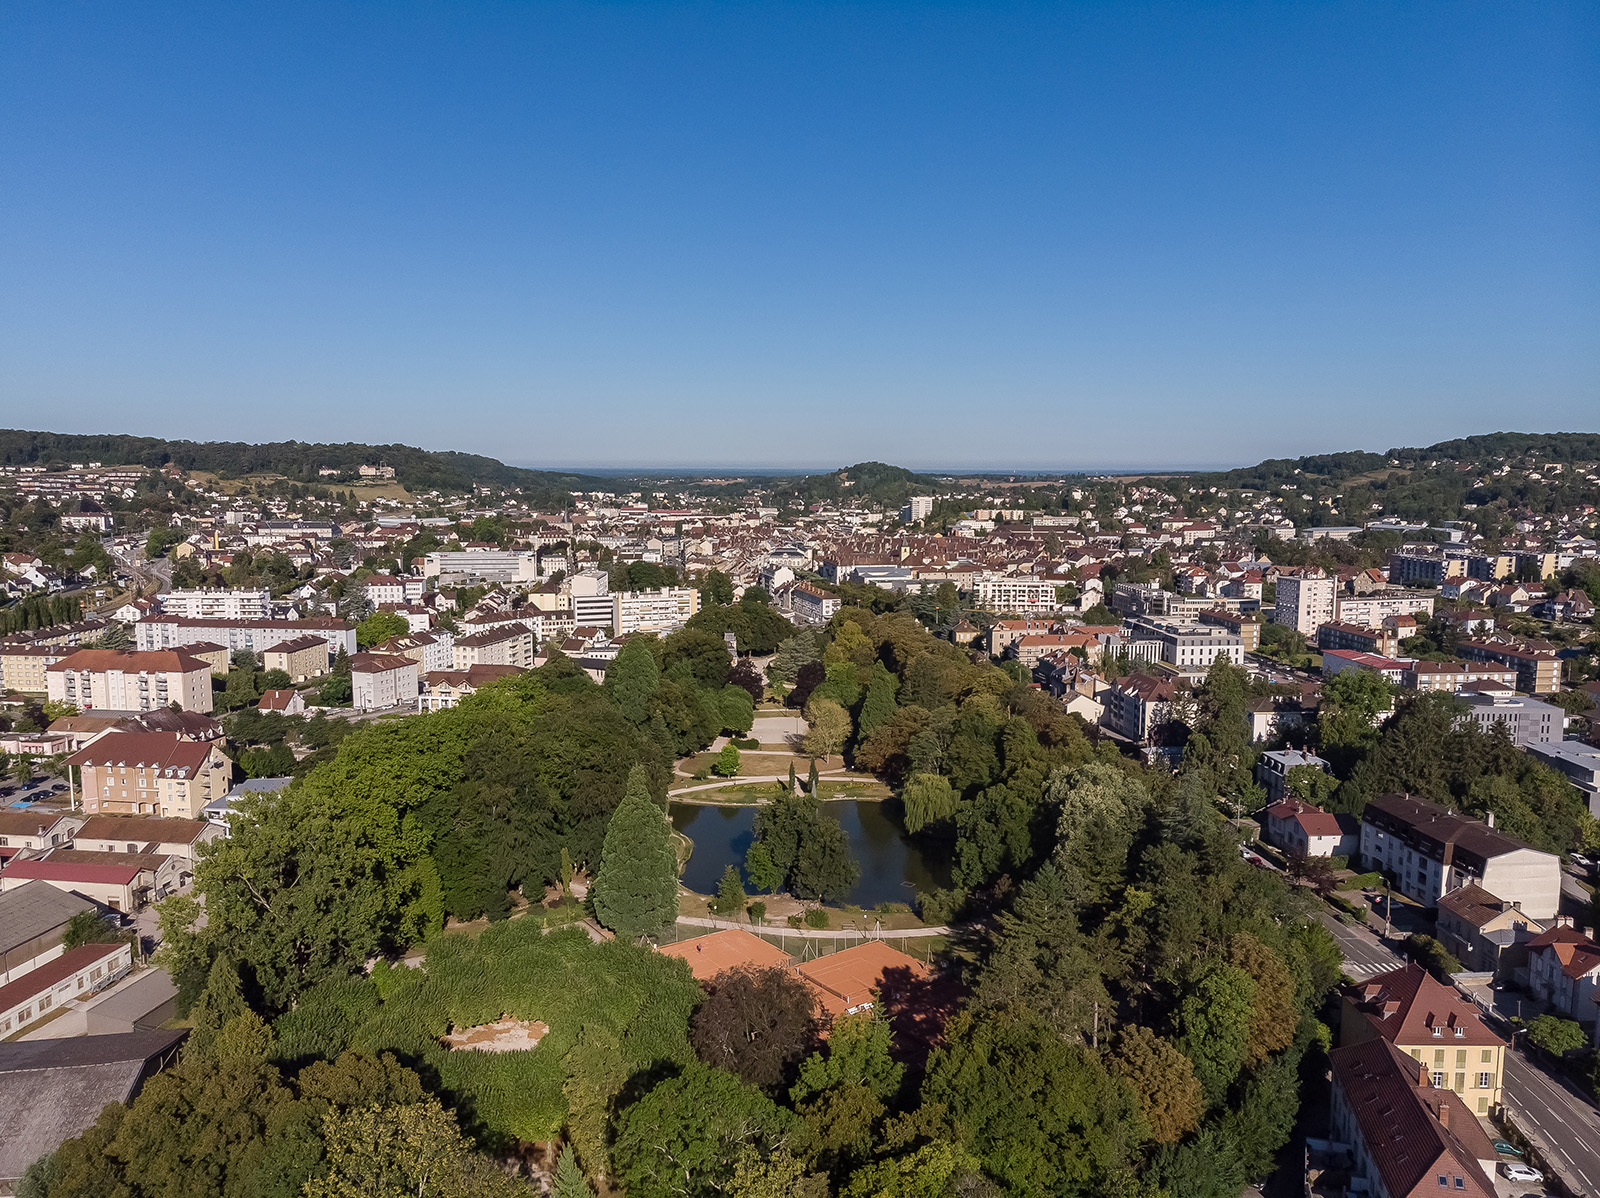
[
  {"x": 113, "y": 680},
  {"x": 1435, "y": 1025},
  {"x": 151, "y": 773},
  {"x": 301, "y": 657},
  {"x": 1485, "y": 934},
  {"x": 145, "y": 834}
]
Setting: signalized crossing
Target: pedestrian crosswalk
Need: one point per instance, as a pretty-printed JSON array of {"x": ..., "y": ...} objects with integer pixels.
[{"x": 1357, "y": 970}]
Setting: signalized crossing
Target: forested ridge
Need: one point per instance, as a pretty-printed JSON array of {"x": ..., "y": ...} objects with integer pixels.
[{"x": 416, "y": 469}]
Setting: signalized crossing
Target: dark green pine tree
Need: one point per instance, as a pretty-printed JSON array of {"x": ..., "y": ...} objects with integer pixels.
[
  {"x": 633, "y": 679},
  {"x": 569, "y": 1181},
  {"x": 811, "y": 782},
  {"x": 791, "y": 777},
  {"x": 636, "y": 890}
]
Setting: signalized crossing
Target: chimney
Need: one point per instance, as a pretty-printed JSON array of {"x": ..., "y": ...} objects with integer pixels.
[
  {"x": 1422, "y": 1073},
  {"x": 1444, "y": 1115},
  {"x": 1490, "y": 819}
]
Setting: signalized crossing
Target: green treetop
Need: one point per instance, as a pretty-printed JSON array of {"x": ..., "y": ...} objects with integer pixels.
[{"x": 636, "y": 890}]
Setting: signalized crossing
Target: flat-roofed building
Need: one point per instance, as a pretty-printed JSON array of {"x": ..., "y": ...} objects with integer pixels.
[
  {"x": 665, "y": 609},
  {"x": 218, "y": 603},
  {"x": 1527, "y": 721},
  {"x": 1579, "y": 762}
]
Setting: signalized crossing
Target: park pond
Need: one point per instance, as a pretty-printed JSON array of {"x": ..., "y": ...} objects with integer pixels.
[{"x": 893, "y": 866}]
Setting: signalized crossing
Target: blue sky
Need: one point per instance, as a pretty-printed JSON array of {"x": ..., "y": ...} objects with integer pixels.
[{"x": 940, "y": 235}]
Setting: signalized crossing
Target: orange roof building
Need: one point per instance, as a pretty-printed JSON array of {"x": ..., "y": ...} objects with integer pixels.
[
  {"x": 730, "y": 948},
  {"x": 847, "y": 981}
]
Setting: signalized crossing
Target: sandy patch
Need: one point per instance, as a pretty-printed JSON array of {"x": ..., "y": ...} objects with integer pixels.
[{"x": 503, "y": 1035}]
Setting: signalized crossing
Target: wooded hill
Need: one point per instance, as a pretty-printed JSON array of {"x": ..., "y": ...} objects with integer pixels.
[{"x": 415, "y": 469}]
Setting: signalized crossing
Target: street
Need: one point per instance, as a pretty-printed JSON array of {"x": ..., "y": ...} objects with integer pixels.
[{"x": 1566, "y": 1125}]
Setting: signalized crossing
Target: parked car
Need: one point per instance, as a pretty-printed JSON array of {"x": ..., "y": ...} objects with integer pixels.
[
  {"x": 1505, "y": 1149},
  {"x": 1517, "y": 1171}
]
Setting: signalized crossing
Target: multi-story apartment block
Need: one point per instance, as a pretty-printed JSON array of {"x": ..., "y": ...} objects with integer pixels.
[
  {"x": 444, "y": 689},
  {"x": 152, "y": 773},
  {"x": 1454, "y": 675},
  {"x": 251, "y": 636},
  {"x": 501, "y": 645},
  {"x": 920, "y": 508},
  {"x": 382, "y": 680},
  {"x": 1527, "y": 721},
  {"x": 1369, "y": 610},
  {"x": 1246, "y": 627},
  {"x": 430, "y": 650},
  {"x": 300, "y": 657},
  {"x": 23, "y": 666},
  {"x": 1190, "y": 648},
  {"x": 1429, "y": 852},
  {"x": 665, "y": 609},
  {"x": 490, "y": 565},
  {"x": 1138, "y": 704},
  {"x": 1408, "y": 569},
  {"x": 387, "y": 588},
  {"x": 810, "y": 604},
  {"x": 1408, "y": 1137},
  {"x": 112, "y": 680},
  {"x": 219, "y": 603},
  {"x": 1304, "y": 601},
  {"x": 1491, "y": 567},
  {"x": 1432, "y": 1024},
  {"x": 1537, "y": 666},
  {"x": 1019, "y": 595}
]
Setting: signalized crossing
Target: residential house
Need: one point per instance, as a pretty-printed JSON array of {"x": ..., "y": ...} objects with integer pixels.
[
  {"x": 1306, "y": 830},
  {"x": 1272, "y": 771},
  {"x": 1485, "y": 934},
  {"x": 284, "y": 702},
  {"x": 1435, "y": 1025},
  {"x": 1564, "y": 971},
  {"x": 125, "y": 885},
  {"x": 1409, "y": 1137},
  {"x": 180, "y": 838}
]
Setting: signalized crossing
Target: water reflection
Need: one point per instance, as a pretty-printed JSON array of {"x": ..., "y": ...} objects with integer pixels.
[{"x": 888, "y": 858}]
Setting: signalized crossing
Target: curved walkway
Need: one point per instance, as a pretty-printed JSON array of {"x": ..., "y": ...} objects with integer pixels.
[{"x": 698, "y": 921}]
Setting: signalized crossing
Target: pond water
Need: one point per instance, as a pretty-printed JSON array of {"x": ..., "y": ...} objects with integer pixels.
[{"x": 888, "y": 857}]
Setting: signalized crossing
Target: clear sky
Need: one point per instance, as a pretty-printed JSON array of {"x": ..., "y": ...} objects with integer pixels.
[{"x": 939, "y": 235}]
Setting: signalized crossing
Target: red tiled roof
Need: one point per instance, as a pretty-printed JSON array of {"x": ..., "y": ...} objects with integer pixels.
[
  {"x": 73, "y": 871},
  {"x": 157, "y": 750},
  {"x": 37, "y": 981}
]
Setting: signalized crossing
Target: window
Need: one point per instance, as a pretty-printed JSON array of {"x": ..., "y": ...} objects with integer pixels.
[
  {"x": 1461, "y": 1183},
  {"x": 1488, "y": 1056},
  {"x": 1461, "y": 1058},
  {"x": 1438, "y": 1080},
  {"x": 1443, "y": 1180},
  {"x": 1461, "y": 1082},
  {"x": 44, "y": 1003},
  {"x": 1483, "y": 1106},
  {"x": 25, "y": 1014},
  {"x": 1485, "y": 1081},
  {"x": 1438, "y": 1057}
]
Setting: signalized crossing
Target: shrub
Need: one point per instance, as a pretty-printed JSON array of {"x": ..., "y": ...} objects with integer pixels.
[
  {"x": 816, "y": 918},
  {"x": 746, "y": 743}
]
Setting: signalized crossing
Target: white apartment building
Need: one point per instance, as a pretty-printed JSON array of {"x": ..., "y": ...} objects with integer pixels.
[
  {"x": 255, "y": 636},
  {"x": 665, "y": 609},
  {"x": 811, "y": 605},
  {"x": 1305, "y": 602},
  {"x": 1192, "y": 648},
  {"x": 387, "y": 588},
  {"x": 218, "y": 603},
  {"x": 111, "y": 680},
  {"x": 920, "y": 508},
  {"x": 1017, "y": 595},
  {"x": 1430, "y": 852},
  {"x": 1368, "y": 611},
  {"x": 382, "y": 680}
]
